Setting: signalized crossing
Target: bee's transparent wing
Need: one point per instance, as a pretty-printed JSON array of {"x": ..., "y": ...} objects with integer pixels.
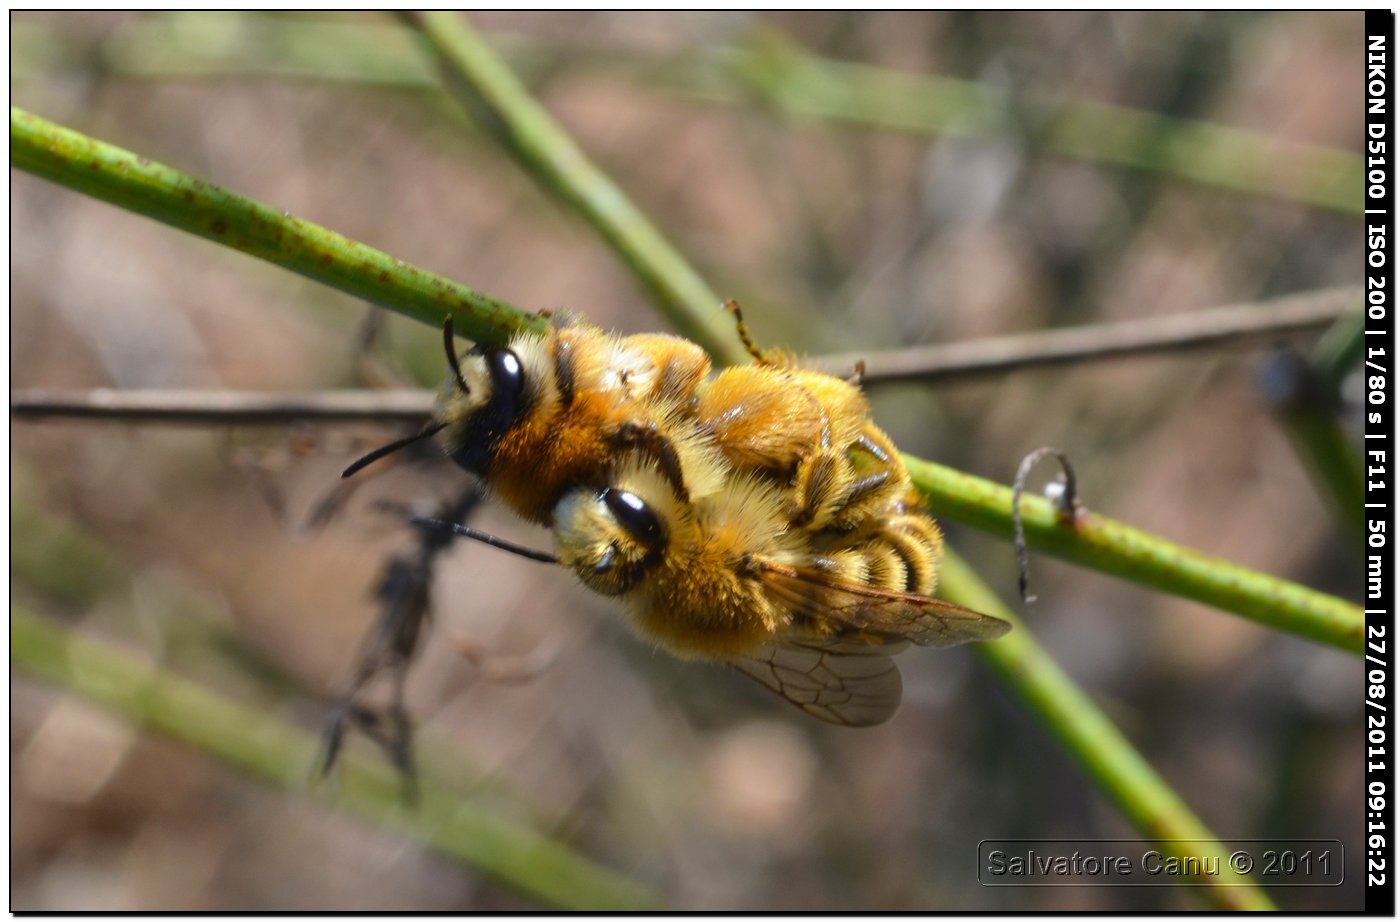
[
  {"x": 828, "y": 611},
  {"x": 855, "y": 685}
]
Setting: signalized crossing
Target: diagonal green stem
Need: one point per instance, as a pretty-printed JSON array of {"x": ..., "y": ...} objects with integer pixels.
[
  {"x": 278, "y": 753},
  {"x": 1121, "y": 773},
  {"x": 1124, "y": 551},
  {"x": 483, "y": 83},
  {"x": 122, "y": 178}
]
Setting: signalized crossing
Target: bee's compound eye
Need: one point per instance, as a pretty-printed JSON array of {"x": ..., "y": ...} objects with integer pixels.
[
  {"x": 507, "y": 375},
  {"x": 633, "y": 514}
]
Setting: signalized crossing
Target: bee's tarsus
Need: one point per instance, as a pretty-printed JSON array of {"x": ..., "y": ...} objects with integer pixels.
[
  {"x": 1066, "y": 505},
  {"x": 857, "y": 375},
  {"x": 867, "y": 485},
  {"x": 868, "y": 445}
]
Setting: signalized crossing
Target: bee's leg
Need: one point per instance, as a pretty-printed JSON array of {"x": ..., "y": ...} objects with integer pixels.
[
  {"x": 733, "y": 307},
  {"x": 866, "y": 486},
  {"x": 868, "y": 445},
  {"x": 647, "y": 437},
  {"x": 562, "y": 348},
  {"x": 821, "y": 484}
]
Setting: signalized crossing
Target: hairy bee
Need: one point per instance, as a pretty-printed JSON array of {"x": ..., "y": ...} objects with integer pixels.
[{"x": 726, "y": 577}]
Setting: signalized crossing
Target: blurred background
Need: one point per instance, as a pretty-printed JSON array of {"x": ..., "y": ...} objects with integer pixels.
[{"x": 189, "y": 548}]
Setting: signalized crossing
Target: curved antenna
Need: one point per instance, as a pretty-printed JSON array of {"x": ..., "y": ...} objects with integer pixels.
[
  {"x": 498, "y": 543},
  {"x": 427, "y": 432},
  {"x": 448, "y": 334}
]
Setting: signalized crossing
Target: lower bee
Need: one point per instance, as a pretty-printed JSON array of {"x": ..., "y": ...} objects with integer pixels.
[{"x": 727, "y": 578}]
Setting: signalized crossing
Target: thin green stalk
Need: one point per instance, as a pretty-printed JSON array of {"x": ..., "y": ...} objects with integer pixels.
[
  {"x": 1126, "y": 552},
  {"x": 803, "y": 84},
  {"x": 487, "y": 88},
  {"x": 1304, "y": 394},
  {"x": 784, "y": 77},
  {"x": 276, "y": 752},
  {"x": 1090, "y": 737},
  {"x": 1070, "y": 715},
  {"x": 1340, "y": 349},
  {"x": 124, "y": 179},
  {"x": 1329, "y": 452}
]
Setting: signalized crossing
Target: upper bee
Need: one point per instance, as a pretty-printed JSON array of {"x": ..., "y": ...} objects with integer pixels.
[{"x": 487, "y": 393}]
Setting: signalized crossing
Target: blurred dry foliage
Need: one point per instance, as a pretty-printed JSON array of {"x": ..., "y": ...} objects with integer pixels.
[{"x": 679, "y": 775}]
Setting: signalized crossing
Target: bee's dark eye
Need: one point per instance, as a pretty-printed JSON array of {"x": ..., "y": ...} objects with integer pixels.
[
  {"x": 477, "y": 437},
  {"x": 633, "y": 514},
  {"x": 507, "y": 376}
]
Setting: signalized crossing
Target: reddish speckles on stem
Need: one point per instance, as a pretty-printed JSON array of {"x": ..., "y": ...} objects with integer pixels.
[{"x": 219, "y": 226}]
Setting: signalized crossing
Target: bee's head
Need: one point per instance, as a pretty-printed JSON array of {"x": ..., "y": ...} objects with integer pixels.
[
  {"x": 487, "y": 392},
  {"x": 483, "y": 397},
  {"x": 612, "y": 537}
]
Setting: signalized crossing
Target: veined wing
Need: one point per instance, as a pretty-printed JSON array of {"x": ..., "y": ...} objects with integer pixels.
[
  {"x": 828, "y": 611},
  {"x": 855, "y": 685}
]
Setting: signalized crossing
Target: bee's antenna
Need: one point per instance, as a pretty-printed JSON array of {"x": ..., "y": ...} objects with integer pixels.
[
  {"x": 498, "y": 543},
  {"x": 733, "y": 307},
  {"x": 427, "y": 432},
  {"x": 448, "y": 335}
]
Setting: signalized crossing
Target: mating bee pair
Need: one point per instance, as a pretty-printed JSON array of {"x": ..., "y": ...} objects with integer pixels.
[{"x": 758, "y": 518}]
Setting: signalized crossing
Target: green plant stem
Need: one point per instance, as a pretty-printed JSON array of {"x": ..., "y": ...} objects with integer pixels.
[
  {"x": 281, "y": 754},
  {"x": 1119, "y": 549},
  {"x": 781, "y": 75},
  {"x": 1340, "y": 348},
  {"x": 487, "y": 88},
  {"x": 795, "y": 81},
  {"x": 1092, "y": 740},
  {"x": 124, "y": 179},
  {"x": 1304, "y": 396}
]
